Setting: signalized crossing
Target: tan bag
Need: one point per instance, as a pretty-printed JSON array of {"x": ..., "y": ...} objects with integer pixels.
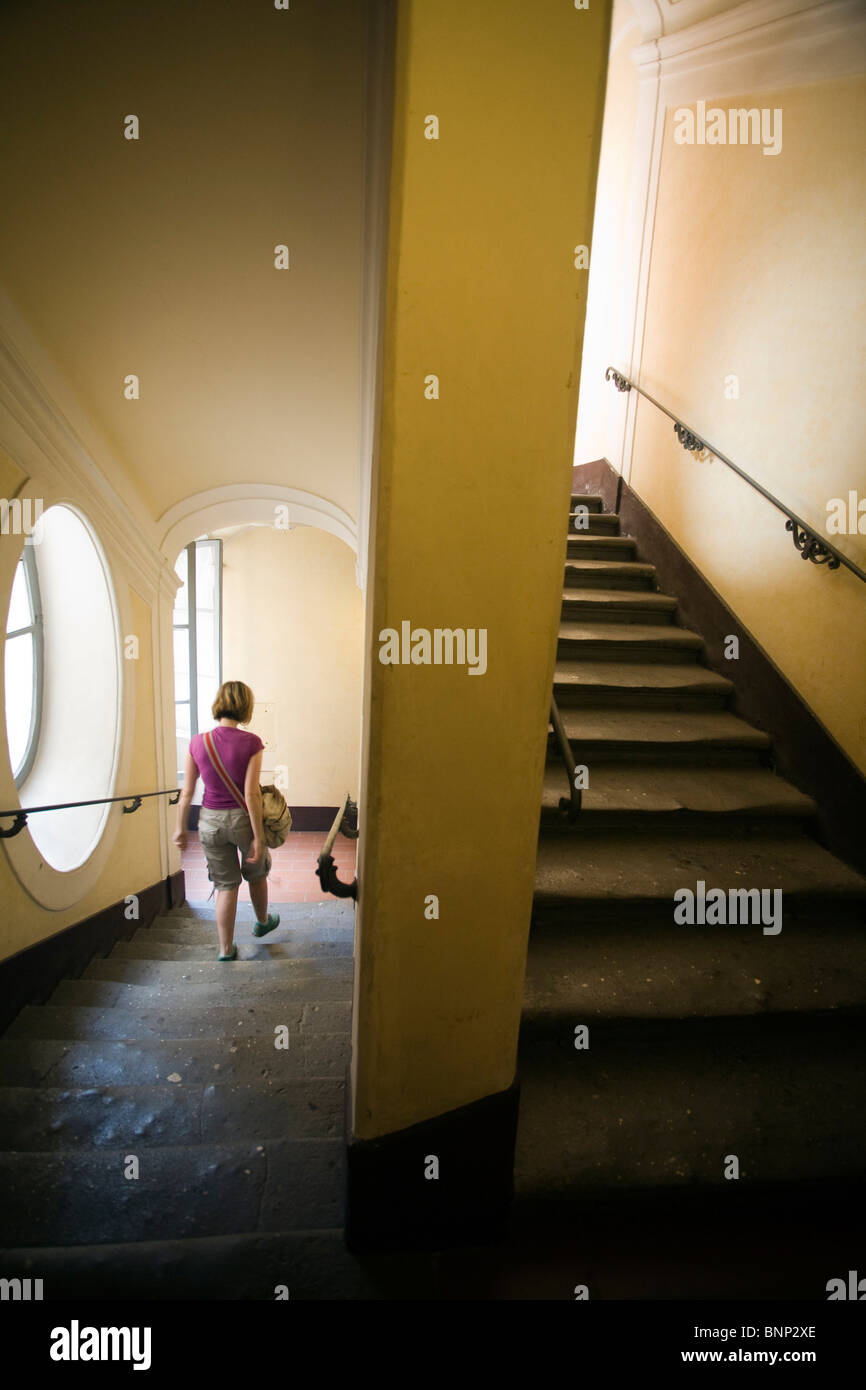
[{"x": 276, "y": 816}]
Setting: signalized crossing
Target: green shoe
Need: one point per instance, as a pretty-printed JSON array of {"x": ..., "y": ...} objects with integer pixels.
[
  {"x": 233, "y": 956},
  {"x": 262, "y": 928}
]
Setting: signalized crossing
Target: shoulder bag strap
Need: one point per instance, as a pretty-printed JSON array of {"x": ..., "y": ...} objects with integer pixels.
[{"x": 221, "y": 770}]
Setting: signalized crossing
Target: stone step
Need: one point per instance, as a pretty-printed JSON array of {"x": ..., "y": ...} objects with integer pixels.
[
  {"x": 609, "y": 574},
  {"x": 216, "y": 1111},
  {"x": 661, "y": 795},
  {"x": 145, "y": 946},
  {"x": 602, "y": 873},
  {"x": 595, "y": 605},
  {"x": 186, "y": 974},
  {"x": 600, "y": 547},
  {"x": 627, "y": 641},
  {"x": 236, "y": 992},
  {"x": 313, "y": 1265},
  {"x": 678, "y": 685},
  {"x": 191, "y": 932},
  {"x": 83, "y": 1198},
  {"x": 165, "y": 1021},
  {"x": 593, "y": 523},
  {"x": 599, "y": 733},
  {"x": 294, "y": 916},
  {"x": 657, "y": 973},
  {"x": 54, "y": 1062},
  {"x": 630, "y": 1114},
  {"x": 590, "y": 500}
]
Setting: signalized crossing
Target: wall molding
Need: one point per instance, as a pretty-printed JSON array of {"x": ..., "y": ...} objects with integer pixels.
[
  {"x": 249, "y": 503},
  {"x": 54, "y": 449}
]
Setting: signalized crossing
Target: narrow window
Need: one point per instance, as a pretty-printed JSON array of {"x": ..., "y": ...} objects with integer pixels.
[
  {"x": 24, "y": 667},
  {"x": 197, "y": 639}
]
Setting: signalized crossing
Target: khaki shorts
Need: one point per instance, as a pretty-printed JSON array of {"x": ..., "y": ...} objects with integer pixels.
[{"x": 222, "y": 834}]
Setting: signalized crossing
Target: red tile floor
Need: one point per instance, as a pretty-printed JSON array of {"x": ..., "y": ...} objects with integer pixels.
[{"x": 293, "y": 875}]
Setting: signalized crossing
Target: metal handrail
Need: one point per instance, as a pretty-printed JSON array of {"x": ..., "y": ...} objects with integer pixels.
[
  {"x": 20, "y": 813},
  {"x": 345, "y": 822},
  {"x": 811, "y": 547},
  {"x": 569, "y": 805}
]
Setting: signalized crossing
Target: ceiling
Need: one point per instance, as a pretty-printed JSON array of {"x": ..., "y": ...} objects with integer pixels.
[{"x": 155, "y": 257}]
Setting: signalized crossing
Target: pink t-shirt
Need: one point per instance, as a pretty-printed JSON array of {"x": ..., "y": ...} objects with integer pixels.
[{"x": 235, "y": 747}]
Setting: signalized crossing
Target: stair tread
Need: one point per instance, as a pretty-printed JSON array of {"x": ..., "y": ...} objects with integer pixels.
[
  {"x": 241, "y": 993},
  {"x": 668, "y": 972},
  {"x": 646, "y": 634},
  {"x": 164, "y": 1022},
  {"x": 585, "y": 541},
  {"x": 656, "y": 788},
  {"x": 620, "y": 598},
  {"x": 620, "y": 867},
  {"x": 191, "y": 973},
  {"x": 579, "y": 565},
  {"x": 635, "y": 675},
  {"x": 313, "y": 1264},
  {"x": 83, "y": 1197},
  {"x": 48, "y": 1119},
  {"x": 147, "y": 946},
  {"x": 55, "y": 1062},
  {"x": 616, "y": 1116},
  {"x": 595, "y": 724}
]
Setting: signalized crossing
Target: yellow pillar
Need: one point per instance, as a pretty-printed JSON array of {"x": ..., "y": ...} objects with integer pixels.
[{"x": 496, "y": 129}]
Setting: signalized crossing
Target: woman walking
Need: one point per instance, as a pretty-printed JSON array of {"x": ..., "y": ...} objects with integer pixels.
[{"x": 229, "y": 755}]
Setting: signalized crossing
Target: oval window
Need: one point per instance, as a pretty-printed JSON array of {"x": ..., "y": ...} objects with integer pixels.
[{"x": 62, "y": 686}]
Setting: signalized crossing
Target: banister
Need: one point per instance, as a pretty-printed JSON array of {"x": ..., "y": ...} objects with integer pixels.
[
  {"x": 20, "y": 813},
  {"x": 570, "y": 805},
  {"x": 811, "y": 546}
]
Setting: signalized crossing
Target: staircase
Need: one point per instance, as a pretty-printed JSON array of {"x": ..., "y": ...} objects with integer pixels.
[
  {"x": 163, "y": 1055},
  {"x": 704, "y": 1041}
]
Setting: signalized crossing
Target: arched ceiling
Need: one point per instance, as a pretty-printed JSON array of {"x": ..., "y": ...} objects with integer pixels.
[{"x": 155, "y": 257}]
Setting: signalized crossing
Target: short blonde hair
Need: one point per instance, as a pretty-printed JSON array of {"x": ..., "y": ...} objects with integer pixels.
[{"x": 234, "y": 701}]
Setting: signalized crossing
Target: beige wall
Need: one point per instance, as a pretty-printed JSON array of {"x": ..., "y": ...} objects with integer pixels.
[
  {"x": 757, "y": 271},
  {"x": 293, "y": 629},
  {"x": 471, "y": 504}
]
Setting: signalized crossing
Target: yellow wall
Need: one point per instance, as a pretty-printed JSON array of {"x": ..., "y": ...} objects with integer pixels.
[
  {"x": 470, "y": 523},
  {"x": 757, "y": 271},
  {"x": 293, "y": 629}
]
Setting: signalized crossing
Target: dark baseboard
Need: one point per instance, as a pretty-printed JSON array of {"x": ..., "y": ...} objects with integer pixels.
[
  {"x": 30, "y": 976},
  {"x": 391, "y": 1205},
  {"x": 313, "y": 817},
  {"x": 804, "y": 750}
]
